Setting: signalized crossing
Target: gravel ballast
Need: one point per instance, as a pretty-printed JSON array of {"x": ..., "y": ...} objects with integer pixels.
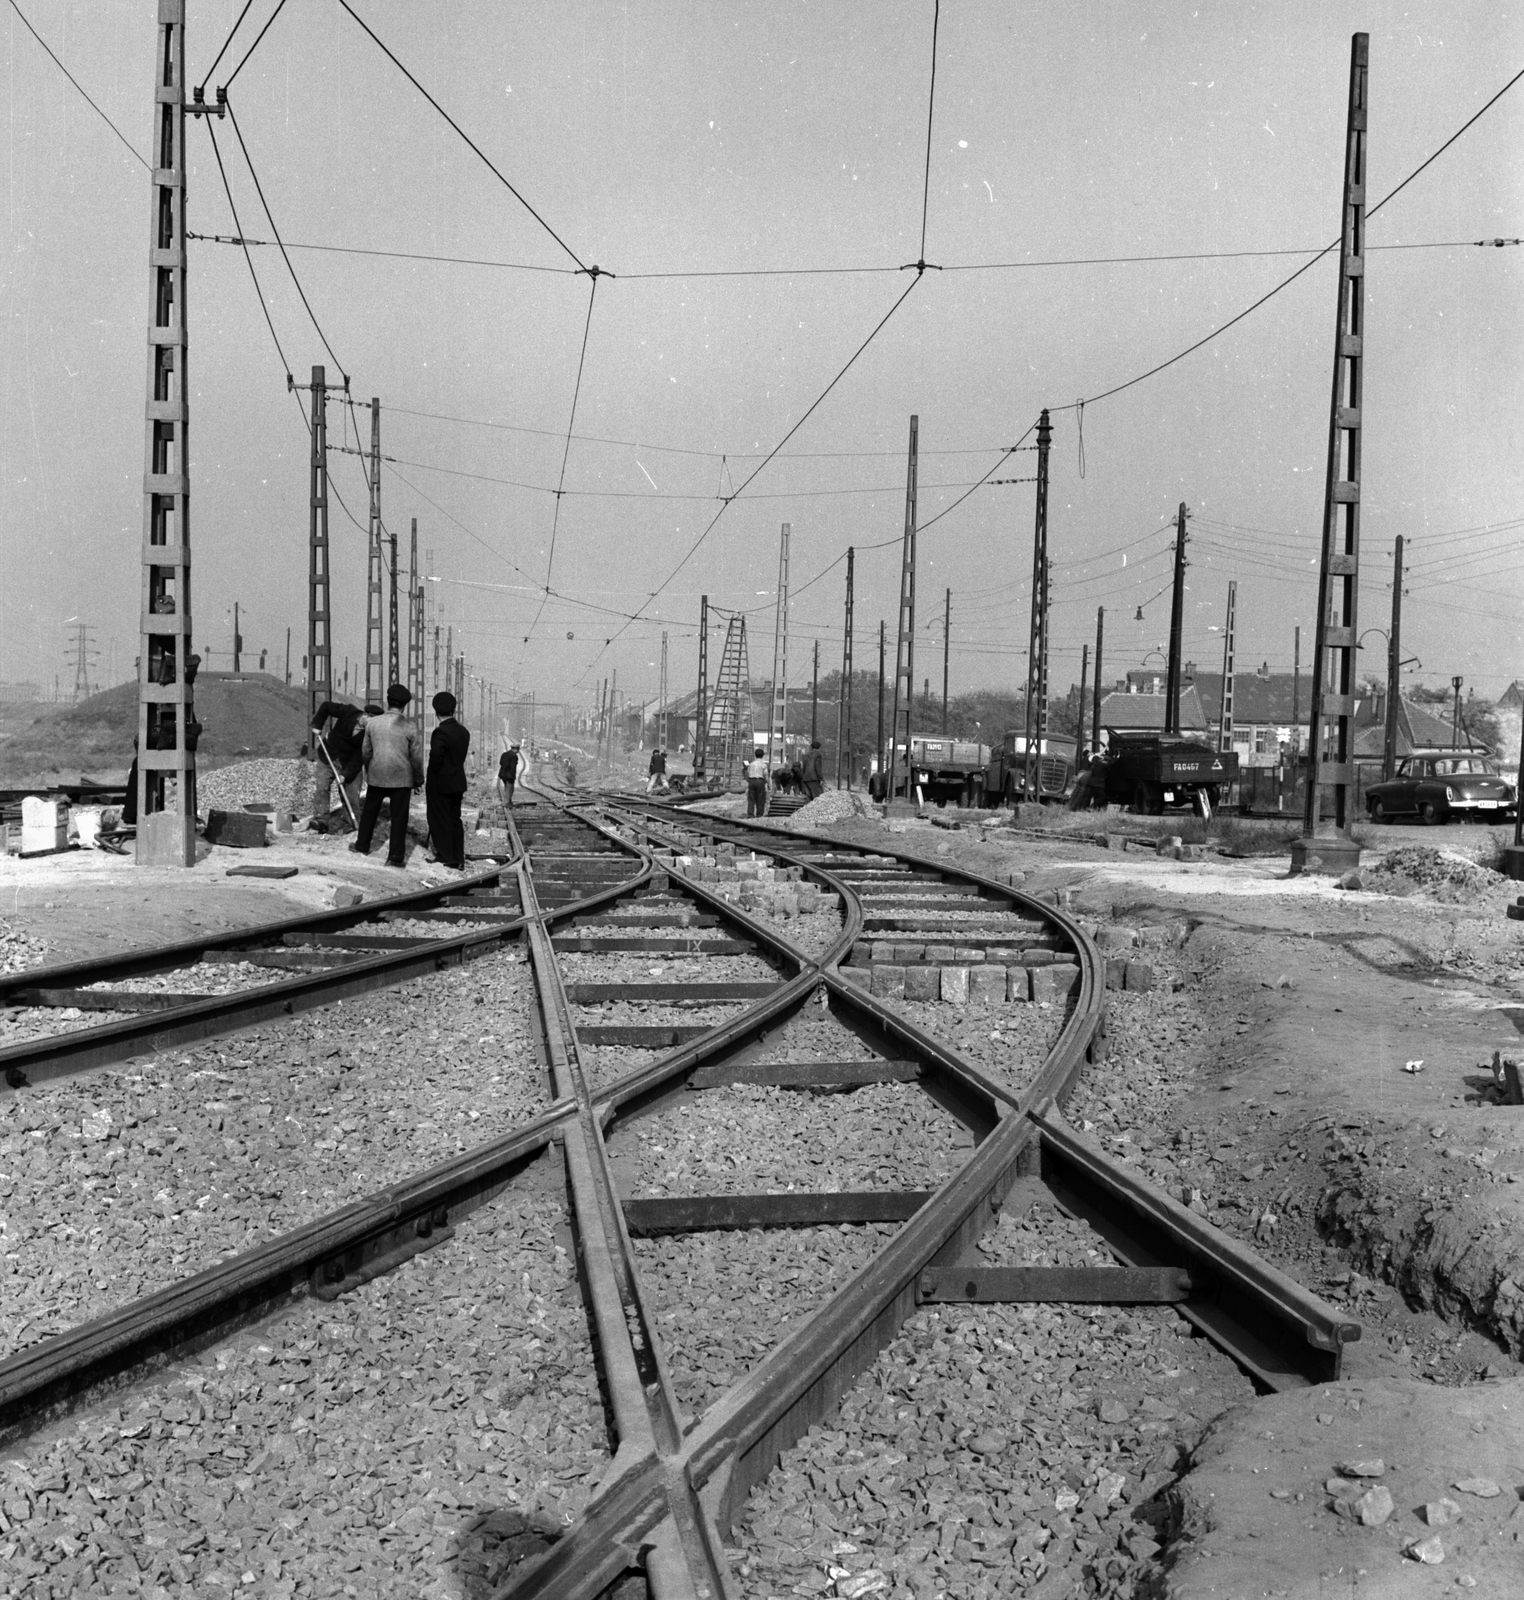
[
  {"x": 408, "y": 1439},
  {"x": 113, "y": 1185}
]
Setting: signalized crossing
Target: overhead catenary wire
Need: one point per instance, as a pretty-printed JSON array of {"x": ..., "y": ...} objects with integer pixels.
[
  {"x": 259, "y": 39},
  {"x": 206, "y": 77},
  {"x": 83, "y": 93},
  {"x": 470, "y": 142},
  {"x": 730, "y": 500},
  {"x": 259, "y": 190},
  {"x": 1286, "y": 283}
]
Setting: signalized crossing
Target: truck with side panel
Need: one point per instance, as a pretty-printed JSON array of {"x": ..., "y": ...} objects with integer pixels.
[{"x": 1156, "y": 772}]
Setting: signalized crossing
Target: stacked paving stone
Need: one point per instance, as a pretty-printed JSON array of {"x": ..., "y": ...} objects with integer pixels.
[{"x": 751, "y": 881}]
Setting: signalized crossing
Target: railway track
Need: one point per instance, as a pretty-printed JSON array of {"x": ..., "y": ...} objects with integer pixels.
[{"x": 754, "y": 1094}]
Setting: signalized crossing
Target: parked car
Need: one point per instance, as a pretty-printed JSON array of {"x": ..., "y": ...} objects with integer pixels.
[{"x": 1436, "y": 785}]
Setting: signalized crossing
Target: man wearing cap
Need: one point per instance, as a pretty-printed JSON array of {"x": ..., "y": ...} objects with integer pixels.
[
  {"x": 345, "y": 736},
  {"x": 393, "y": 769},
  {"x": 446, "y": 783},
  {"x": 811, "y": 775},
  {"x": 507, "y": 775},
  {"x": 657, "y": 772},
  {"x": 756, "y": 784}
]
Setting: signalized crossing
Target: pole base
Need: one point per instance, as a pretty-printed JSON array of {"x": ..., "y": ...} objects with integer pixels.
[
  {"x": 1328, "y": 855},
  {"x": 1512, "y": 864}
]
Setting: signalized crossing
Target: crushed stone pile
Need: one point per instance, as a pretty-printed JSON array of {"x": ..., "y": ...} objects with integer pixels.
[
  {"x": 19, "y": 950},
  {"x": 1415, "y": 867},
  {"x": 835, "y": 805},
  {"x": 285, "y": 784}
]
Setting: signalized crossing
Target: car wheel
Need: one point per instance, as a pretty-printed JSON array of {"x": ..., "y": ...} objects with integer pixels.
[
  {"x": 1428, "y": 813},
  {"x": 1379, "y": 813}
]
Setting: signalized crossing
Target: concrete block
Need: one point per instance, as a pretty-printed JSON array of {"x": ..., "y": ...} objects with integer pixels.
[
  {"x": 971, "y": 955},
  {"x": 862, "y": 955},
  {"x": 942, "y": 954},
  {"x": 1053, "y": 983},
  {"x": 1116, "y": 971},
  {"x": 346, "y": 895},
  {"x": 923, "y": 982},
  {"x": 904, "y": 953},
  {"x": 954, "y": 985},
  {"x": 986, "y": 985},
  {"x": 1116, "y": 938},
  {"x": 883, "y": 952},
  {"x": 1139, "y": 977},
  {"x": 889, "y": 982},
  {"x": 1037, "y": 958},
  {"x": 1018, "y": 983},
  {"x": 862, "y": 976}
]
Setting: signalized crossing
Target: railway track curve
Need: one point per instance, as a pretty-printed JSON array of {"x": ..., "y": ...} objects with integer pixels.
[{"x": 599, "y": 892}]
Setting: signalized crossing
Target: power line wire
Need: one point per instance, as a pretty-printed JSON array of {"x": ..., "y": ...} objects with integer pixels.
[
  {"x": 250, "y": 51},
  {"x": 730, "y": 500},
  {"x": 141, "y": 160},
  {"x": 259, "y": 190},
  {"x": 1285, "y": 283},
  {"x": 476, "y": 148},
  {"x": 217, "y": 59}
]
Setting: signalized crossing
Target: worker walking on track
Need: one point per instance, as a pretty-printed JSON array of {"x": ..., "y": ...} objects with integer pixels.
[
  {"x": 507, "y": 776},
  {"x": 658, "y": 771},
  {"x": 346, "y": 733},
  {"x": 446, "y": 783},
  {"x": 756, "y": 784},
  {"x": 391, "y": 751},
  {"x": 811, "y": 775}
]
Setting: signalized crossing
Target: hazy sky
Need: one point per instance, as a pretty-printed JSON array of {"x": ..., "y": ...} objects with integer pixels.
[{"x": 688, "y": 139}]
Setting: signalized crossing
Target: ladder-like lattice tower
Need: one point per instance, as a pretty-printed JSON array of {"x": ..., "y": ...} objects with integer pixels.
[
  {"x": 375, "y": 688},
  {"x": 415, "y": 681},
  {"x": 904, "y": 660},
  {"x": 728, "y": 741},
  {"x": 777, "y": 728},
  {"x": 1225, "y": 731}
]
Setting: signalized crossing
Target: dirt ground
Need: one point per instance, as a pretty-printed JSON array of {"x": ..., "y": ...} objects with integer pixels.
[{"x": 93, "y": 902}]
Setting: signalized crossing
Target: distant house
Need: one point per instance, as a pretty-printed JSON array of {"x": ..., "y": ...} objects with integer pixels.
[
  {"x": 1418, "y": 728},
  {"x": 1132, "y": 710},
  {"x": 1271, "y": 712}
]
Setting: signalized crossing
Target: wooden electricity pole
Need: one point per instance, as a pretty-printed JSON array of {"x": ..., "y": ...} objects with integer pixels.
[
  {"x": 946, "y": 651},
  {"x": 1394, "y": 672},
  {"x": 904, "y": 663},
  {"x": 1095, "y": 716},
  {"x": 1176, "y": 630}
]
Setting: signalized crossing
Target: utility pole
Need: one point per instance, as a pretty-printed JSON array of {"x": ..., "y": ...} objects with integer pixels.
[
  {"x": 1225, "y": 728},
  {"x": 844, "y": 699},
  {"x": 1296, "y": 692},
  {"x": 1095, "y": 715},
  {"x": 166, "y": 797},
  {"x": 436, "y": 659},
  {"x": 1079, "y": 738},
  {"x": 393, "y": 654},
  {"x": 237, "y": 642},
  {"x": 701, "y": 707},
  {"x": 319, "y": 649},
  {"x": 1455, "y": 724},
  {"x": 1332, "y": 848},
  {"x": 83, "y": 656},
  {"x": 946, "y": 649},
  {"x": 374, "y": 687},
  {"x": 1176, "y": 630},
  {"x": 1037, "y": 645},
  {"x": 904, "y": 659},
  {"x": 777, "y": 731},
  {"x": 815, "y": 693},
  {"x": 662, "y": 724},
  {"x": 288, "y": 658},
  {"x": 1393, "y": 671},
  {"x": 415, "y": 628},
  {"x": 883, "y": 769}
]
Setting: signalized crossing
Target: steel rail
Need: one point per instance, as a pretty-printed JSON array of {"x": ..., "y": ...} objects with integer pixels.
[{"x": 330, "y": 1253}]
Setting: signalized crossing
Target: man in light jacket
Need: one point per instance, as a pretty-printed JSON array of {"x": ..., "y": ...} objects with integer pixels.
[{"x": 393, "y": 755}]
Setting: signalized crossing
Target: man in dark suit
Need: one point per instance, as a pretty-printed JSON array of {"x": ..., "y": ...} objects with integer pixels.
[{"x": 446, "y": 783}]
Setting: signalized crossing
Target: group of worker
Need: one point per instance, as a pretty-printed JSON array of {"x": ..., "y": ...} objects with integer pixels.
[
  {"x": 810, "y": 779},
  {"x": 386, "y": 746}
]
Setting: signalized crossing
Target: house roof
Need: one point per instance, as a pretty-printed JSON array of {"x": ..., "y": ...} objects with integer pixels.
[
  {"x": 1275, "y": 698},
  {"x": 1513, "y": 695},
  {"x": 1417, "y": 729},
  {"x": 1145, "y": 712}
]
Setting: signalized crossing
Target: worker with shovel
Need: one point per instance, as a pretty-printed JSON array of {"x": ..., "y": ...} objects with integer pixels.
[{"x": 338, "y": 756}]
